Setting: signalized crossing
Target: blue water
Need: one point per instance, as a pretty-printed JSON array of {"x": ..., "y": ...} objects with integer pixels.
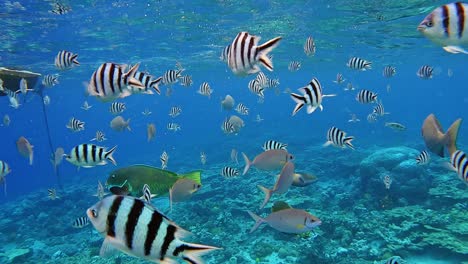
[{"x": 160, "y": 33}]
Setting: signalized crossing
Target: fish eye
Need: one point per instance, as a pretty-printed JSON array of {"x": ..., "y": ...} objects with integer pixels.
[
  {"x": 95, "y": 213},
  {"x": 429, "y": 23},
  {"x": 113, "y": 176}
]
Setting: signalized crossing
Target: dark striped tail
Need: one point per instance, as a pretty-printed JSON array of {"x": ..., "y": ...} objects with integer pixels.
[
  {"x": 109, "y": 156},
  {"x": 263, "y": 51},
  {"x": 191, "y": 253},
  {"x": 300, "y": 102},
  {"x": 155, "y": 86}
]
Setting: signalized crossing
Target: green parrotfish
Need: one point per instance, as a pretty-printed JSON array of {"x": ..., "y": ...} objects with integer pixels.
[{"x": 130, "y": 180}]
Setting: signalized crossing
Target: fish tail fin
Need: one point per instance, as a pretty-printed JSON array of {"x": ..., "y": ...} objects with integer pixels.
[
  {"x": 193, "y": 175},
  {"x": 247, "y": 163},
  {"x": 132, "y": 81},
  {"x": 74, "y": 59},
  {"x": 451, "y": 136},
  {"x": 268, "y": 194},
  {"x": 300, "y": 102},
  {"x": 192, "y": 253},
  {"x": 348, "y": 143},
  {"x": 155, "y": 85},
  {"x": 328, "y": 143},
  {"x": 109, "y": 156},
  {"x": 263, "y": 51},
  {"x": 258, "y": 221}
]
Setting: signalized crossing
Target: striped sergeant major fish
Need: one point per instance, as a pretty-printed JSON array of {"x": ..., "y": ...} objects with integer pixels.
[
  {"x": 147, "y": 196},
  {"x": 148, "y": 82},
  {"x": 256, "y": 88},
  {"x": 423, "y": 158},
  {"x": 229, "y": 172},
  {"x": 459, "y": 162},
  {"x": 80, "y": 222},
  {"x": 394, "y": 260},
  {"x": 171, "y": 76},
  {"x": 205, "y": 90},
  {"x": 262, "y": 79},
  {"x": 89, "y": 155},
  {"x": 309, "y": 46},
  {"x": 138, "y": 229},
  {"x": 338, "y": 138},
  {"x": 173, "y": 127},
  {"x": 100, "y": 136},
  {"x": 228, "y": 127},
  {"x": 294, "y": 66},
  {"x": 117, "y": 108},
  {"x": 379, "y": 110},
  {"x": 175, "y": 111},
  {"x": 225, "y": 53},
  {"x": 60, "y": 9},
  {"x": 75, "y": 125},
  {"x": 311, "y": 97},
  {"x": 447, "y": 26},
  {"x": 66, "y": 60},
  {"x": 164, "y": 160},
  {"x": 359, "y": 64},
  {"x": 425, "y": 72},
  {"x": 110, "y": 82},
  {"x": 52, "y": 194},
  {"x": 272, "y": 83},
  {"x": 389, "y": 71},
  {"x": 371, "y": 118},
  {"x": 272, "y": 144},
  {"x": 186, "y": 80},
  {"x": 100, "y": 192},
  {"x": 50, "y": 80},
  {"x": 242, "y": 109},
  {"x": 366, "y": 97},
  {"x": 86, "y": 106},
  {"x": 245, "y": 54}
]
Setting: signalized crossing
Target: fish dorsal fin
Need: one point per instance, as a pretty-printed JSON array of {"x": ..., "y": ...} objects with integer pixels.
[
  {"x": 194, "y": 175},
  {"x": 280, "y": 205}
]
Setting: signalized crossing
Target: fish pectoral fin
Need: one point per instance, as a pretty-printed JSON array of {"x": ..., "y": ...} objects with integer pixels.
[
  {"x": 107, "y": 249},
  {"x": 300, "y": 226},
  {"x": 455, "y": 49}
]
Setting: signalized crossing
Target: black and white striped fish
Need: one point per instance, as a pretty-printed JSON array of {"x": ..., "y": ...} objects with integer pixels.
[
  {"x": 272, "y": 83},
  {"x": 389, "y": 71},
  {"x": 117, "y": 108},
  {"x": 86, "y": 106},
  {"x": 173, "y": 127},
  {"x": 371, "y": 118},
  {"x": 256, "y": 88},
  {"x": 262, "y": 79},
  {"x": 394, "y": 260},
  {"x": 80, "y": 222},
  {"x": 147, "y": 196},
  {"x": 138, "y": 229},
  {"x": 4, "y": 169},
  {"x": 164, "y": 158},
  {"x": 242, "y": 109},
  {"x": 100, "y": 192},
  {"x": 90, "y": 155},
  {"x": 186, "y": 80},
  {"x": 229, "y": 172},
  {"x": 148, "y": 82},
  {"x": 272, "y": 144},
  {"x": 459, "y": 162},
  {"x": 171, "y": 76},
  {"x": 100, "y": 136},
  {"x": 175, "y": 111},
  {"x": 379, "y": 110},
  {"x": 227, "y": 127},
  {"x": 66, "y": 60},
  {"x": 110, "y": 81},
  {"x": 425, "y": 72},
  {"x": 309, "y": 46},
  {"x": 339, "y": 78},
  {"x": 423, "y": 158},
  {"x": 50, "y": 80},
  {"x": 75, "y": 125},
  {"x": 338, "y": 138},
  {"x": 245, "y": 54},
  {"x": 60, "y": 9},
  {"x": 225, "y": 53},
  {"x": 447, "y": 26},
  {"x": 359, "y": 64},
  {"x": 311, "y": 97},
  {"x": 366, "y": 97},
  {"x": 294, "y": 66},
  {"x": 52, "y": 194},
  {"x": 205, "y": 90}
]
